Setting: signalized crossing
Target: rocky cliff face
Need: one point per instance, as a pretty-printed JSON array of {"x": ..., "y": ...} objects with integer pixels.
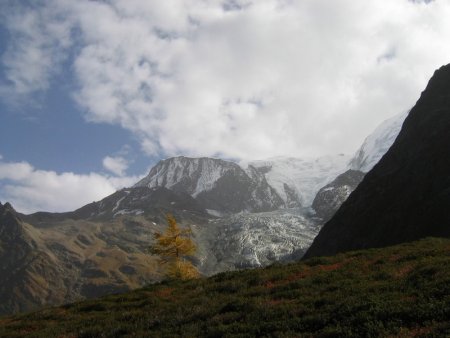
[
  {"x": 330, "y": 197},
  {"x": 407, "y": 194},
  {"x": 224, "y": 188},
  {"x": 189, "y": 175},
  {"x": 152, "y": 202},
  {"x": 220, "y": 186}
]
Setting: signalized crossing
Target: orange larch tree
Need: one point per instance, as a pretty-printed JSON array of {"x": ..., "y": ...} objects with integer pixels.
[{"x": 173, "y": 246}]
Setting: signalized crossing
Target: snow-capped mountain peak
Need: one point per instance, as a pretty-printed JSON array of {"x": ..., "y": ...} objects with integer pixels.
[
  {"x": 225, "y": 187},
  {"x": 191, "y": 175},
  {"x": 377, "y": 143},
  {"x": 220, "y": 186}
]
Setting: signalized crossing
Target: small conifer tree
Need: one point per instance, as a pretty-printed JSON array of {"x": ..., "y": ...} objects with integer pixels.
[{"x": 173, "y": 246}]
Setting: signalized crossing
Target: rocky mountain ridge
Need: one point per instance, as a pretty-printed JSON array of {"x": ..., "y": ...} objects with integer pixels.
[
  {"x": 329, "y": 198},
  {"x": 53, "y": 259},
  {"x": 225, "y": 187},
  {"x": 220, "y": 186}
]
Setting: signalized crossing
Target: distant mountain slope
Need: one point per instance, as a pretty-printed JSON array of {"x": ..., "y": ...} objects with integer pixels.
[
  {"x": 102, "y": 248},
  {"x": 225, "y": 187},
  {"x": 99, "y": 249},
  {"x": 189, "y": 175},
  {"x": 399, "y": 291},
  {"x": 297, "y": 180},
  {"x": 151, "y": 202},
  {"x": 218, "y": 185},
  {"x": 406, "y": 196}
]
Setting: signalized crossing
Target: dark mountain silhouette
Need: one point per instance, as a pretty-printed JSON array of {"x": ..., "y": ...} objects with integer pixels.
[{"x": 406, "y": 196}]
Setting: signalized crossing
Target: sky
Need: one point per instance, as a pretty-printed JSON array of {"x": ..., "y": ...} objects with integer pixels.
[{"x": 93, "y": 93}]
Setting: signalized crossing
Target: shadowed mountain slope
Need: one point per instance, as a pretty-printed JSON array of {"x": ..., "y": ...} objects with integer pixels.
[
  {"x": 406, "y": 196},
  {"x": 99, "y": 249}
]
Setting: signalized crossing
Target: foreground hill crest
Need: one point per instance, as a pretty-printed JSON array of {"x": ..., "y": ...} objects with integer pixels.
[{"x": 399, "y": 291}]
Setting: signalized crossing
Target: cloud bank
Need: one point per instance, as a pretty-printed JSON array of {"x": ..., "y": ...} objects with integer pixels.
[
  {"x": 240, "y": 79},
  {"x": 237, "y": 79},
  {"x": 30, "y": 189}
]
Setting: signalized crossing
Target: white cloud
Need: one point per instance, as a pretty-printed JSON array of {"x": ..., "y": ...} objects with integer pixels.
[
  {"x": 241, "y": 79},
  {"x": 39, "y": 45},
  {"x": 30, "y": 189},
  {"x": 117, "y": 165}
]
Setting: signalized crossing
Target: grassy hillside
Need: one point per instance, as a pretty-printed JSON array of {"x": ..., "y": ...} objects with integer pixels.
[{"x": 399, "y": 291}]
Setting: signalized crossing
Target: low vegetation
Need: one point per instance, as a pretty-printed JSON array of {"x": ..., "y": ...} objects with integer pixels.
[{"x": 400, "y": 291}]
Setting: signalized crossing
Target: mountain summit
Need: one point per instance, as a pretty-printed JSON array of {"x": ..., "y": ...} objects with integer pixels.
[
  {"x": 220, "y": 186},
  {"x": 407, "y": 194},
  {"x": 377, "y": 143}
]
